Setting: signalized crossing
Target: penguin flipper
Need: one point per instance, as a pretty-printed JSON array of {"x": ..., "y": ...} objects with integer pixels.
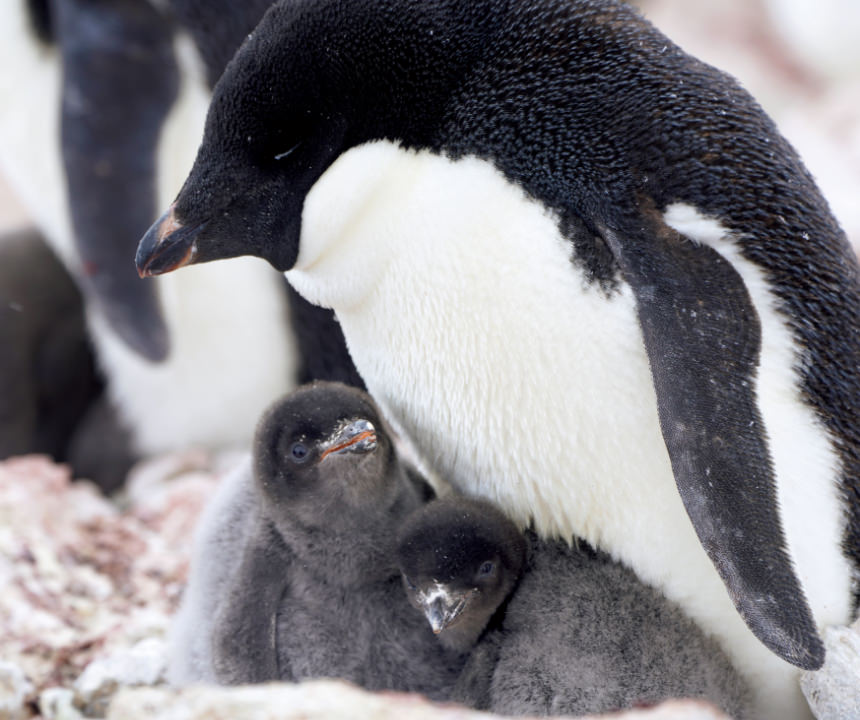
[
  {"x": 244, "y": 633},
  {"x": 120, "y": 79},
  {"x": 703, "y": 339}
]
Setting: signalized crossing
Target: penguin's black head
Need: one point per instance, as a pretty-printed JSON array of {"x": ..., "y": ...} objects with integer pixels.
[
  {"x": 459, "y": 558},
  {"x": 315, "y": 78},
  {"x": 321, "y": 454}
]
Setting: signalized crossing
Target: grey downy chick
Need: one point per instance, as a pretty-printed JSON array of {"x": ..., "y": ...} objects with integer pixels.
[
  {"x": 552, "y": 629},
  {"x": 317, "y": 592},
  {"x": 220, "y": 538}
]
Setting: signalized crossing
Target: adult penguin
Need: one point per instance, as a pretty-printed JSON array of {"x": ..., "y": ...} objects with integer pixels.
[
  {"x": 45, "y": 350},
  {"x": 105, "y": 105},
  {"x": 583, "y": 271}
]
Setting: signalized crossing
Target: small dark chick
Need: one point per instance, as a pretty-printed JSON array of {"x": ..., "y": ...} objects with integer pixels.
[
  {"x": 551, "y": 628},
  {"x": 317, "y": 592}
]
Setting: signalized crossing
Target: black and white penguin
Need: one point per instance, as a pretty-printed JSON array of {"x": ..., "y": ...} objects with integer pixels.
[
  {"x": 311, "y": 586},
  {"x": 52, "y": 398},
  {"x": 106, "y": 105},
  {"x": 48, "y": 377},
  {"x": 583, "y": 272},
  {"x": 552, "y": 629}
]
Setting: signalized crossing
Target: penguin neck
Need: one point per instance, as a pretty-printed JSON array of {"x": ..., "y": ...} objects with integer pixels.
[
  {"x": 358, "y": 546},
  {"x": 344, "y": 558},
  {"x": 341, "y": 257},
  {"x": 464, "y": 636}
]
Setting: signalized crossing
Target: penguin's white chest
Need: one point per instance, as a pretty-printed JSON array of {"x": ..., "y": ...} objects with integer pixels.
[
  {"x": 517, "y": 379},
  {"x": 463, "y": 311}
]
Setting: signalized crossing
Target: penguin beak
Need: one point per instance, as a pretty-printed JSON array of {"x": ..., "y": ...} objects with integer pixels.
[
  {"x": 358, "y": 436},
  {"x": 442, "y": 606},
  {"x": 167, "y": 245}
]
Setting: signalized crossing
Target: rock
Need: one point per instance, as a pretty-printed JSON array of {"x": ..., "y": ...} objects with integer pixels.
[
  {"x": 142, "y": 664},
  {"x": 833, "y": 692},
  {"x": 87, "y": 582},
  {"x": 58, "y": 703},
  {"x": 332, "y": 700},
  {"x": 15, "y": 690},
  {"x": 167, "y": 493}
]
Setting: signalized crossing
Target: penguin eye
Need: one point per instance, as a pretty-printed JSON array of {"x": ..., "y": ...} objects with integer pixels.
[
  {"x": 487, "y": 568},
  {"x": 299, "y": 452}
]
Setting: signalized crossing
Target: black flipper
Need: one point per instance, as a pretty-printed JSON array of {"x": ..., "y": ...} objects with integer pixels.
[
  {"x": 120, "y": 80},
  {"x": 703, "y": 339}
]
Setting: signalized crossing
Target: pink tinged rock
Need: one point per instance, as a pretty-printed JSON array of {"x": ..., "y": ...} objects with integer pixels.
[
  {"x": 15, "y": 690},
  {"x": 56, "y": 703},
  {"x": 83, "y": 578},
  {"x": 332, "y": 700},
  {"x": 142, "y": 664}
]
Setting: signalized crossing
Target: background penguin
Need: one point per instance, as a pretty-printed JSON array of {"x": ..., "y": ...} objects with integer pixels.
[
  {"x": 105, "y": 105},
  {"x": 563, "y": 631},
  {"x": 584, "y": 273},
  {"x": 50, "y": 393},
  {"x": 311, "y": 587}
]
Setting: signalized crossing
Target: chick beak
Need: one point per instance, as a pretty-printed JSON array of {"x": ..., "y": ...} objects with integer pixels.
[
  {"x": 167, "y": 245},
  {"x": 443, "y": 608},
  {"x": 358, "y": 436}
]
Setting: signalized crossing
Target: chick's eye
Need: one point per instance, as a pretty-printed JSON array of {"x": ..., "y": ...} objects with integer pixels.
[
  {"x": 298, "y": 452},
  {"x": 486, "y": 568}
]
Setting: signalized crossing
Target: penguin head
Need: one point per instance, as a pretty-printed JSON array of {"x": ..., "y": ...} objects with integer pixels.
[
  {"x": 315, "y": 78},
  {"x": 459, "y": 559},
  {"x": 322, "y": 457}
]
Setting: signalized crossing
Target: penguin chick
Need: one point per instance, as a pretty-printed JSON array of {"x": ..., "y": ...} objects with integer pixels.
[
  {"x": 460, "y": 559},
  {"x": 317, "y": 591},
  {"x": 552, "y": 629}
]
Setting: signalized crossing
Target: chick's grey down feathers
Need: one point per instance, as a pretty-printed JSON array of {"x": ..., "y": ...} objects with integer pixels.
[
  {"x": 222, "y": 532},
  {"x": 313, "y": 589},
  {"x": 577, "y": 634}
]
